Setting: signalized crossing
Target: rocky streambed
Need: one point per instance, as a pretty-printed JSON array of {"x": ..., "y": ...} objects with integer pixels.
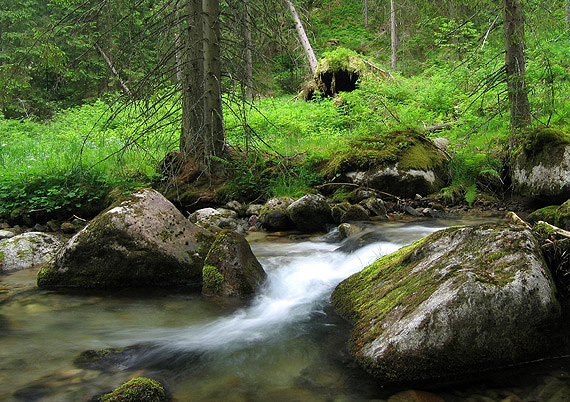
[{"x": 287, "y": 343}]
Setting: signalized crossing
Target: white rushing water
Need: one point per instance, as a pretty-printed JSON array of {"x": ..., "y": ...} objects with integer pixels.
[
  {"x": 290, "y": 295},
  {"x": 300, "y": 278}
]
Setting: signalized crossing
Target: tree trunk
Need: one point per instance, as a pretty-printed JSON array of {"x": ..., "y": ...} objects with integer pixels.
[
  {"x": 248, "y": 59},
  {"x": 126, "y": 89},
  {"x": 515, "y": 64},
  {"x": 192, "y": 134},
  {"x": 178, "y": 51},
  {"x": 366, "y": 13},
  {"x": 303, "y": 37},
  {"x": 213, "y": 122},
  {"x": 393, "y": 35}
]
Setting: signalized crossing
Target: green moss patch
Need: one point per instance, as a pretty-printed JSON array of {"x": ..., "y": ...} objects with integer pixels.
[
  {"x": 547, "y": 214},
  {"x": 545, "y": 146},
  {"x": 213, "y": 279},
  {"x": 138, "y": 390}
]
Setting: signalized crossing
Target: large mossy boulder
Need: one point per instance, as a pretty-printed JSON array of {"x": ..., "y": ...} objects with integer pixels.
[
  {"x": 541, "y": 171},
  {"x": 28, "y": 250},
  {"x": 231, "y": 268},
  {"x": 460, "y": 300},
  {"x": 142, "y": 241},
  {"x": 310, "y": 213},
  {"x": 402, "y": 163}
]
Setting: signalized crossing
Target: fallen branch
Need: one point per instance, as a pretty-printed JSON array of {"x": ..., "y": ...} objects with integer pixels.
[
  {"x": 375, "y": 67},
  {"x": 439, "y": 127},
  {"x": 358, "y": 186},
  {"x": 556, "y": 231}
]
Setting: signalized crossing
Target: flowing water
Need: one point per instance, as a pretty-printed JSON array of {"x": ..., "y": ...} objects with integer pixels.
[{"x": 286, "y": 344}]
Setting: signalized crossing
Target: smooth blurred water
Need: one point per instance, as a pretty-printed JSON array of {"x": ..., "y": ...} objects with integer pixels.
[{"x": 285, "y": 344}]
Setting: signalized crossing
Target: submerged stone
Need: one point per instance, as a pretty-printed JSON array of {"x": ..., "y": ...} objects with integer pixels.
[
  {"x": 142, "y": 241},
  {"x": 460, "y": 300}
]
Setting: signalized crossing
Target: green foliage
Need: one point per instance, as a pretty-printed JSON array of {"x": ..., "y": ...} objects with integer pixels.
[
  {"x": 259, "y": 176},
  {"x": 466, "y": 169},
  {"x": 294, "y": 182},
  {"x": 66, "y": 166}
]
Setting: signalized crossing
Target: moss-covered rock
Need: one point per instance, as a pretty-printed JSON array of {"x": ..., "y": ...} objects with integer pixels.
[
  {"x": 547, "y": 214},
  {"x": 230, "y": 268},
  {"x": 142, "y": 241},
  {"x": 403, "y": 163},
  {"x": 28, "y": 250},
  {"x": 459, "y": 300},
  {"x": 138, "y": 389},
  {"x": 553, "y": 214},
  {"x": 542, "y": 167}
]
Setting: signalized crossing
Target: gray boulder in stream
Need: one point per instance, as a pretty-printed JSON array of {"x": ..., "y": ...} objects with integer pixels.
[
  {"x": 310, "y": 213},
  {"x": 28, "y": 250},
  {"x": 460, "y": 300},
  {"x": 141, "y": 241}
]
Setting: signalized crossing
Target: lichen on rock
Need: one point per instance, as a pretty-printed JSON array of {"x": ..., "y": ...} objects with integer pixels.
[
  {"x": 28, "y": 250},
  {"x": 461, "y": 299}
]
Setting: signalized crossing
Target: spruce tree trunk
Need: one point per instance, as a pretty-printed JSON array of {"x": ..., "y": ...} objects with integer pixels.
[
  {"x": 248, "y": 59},
  {"x": 202, "y": 133},
  {"x": 303, "y": 37},
  {"x": 213, "y": 117},
  {"x": 366, "y": 13},
  {"x": 515, "y": 64},
  {"x": 393, "y": 36}
]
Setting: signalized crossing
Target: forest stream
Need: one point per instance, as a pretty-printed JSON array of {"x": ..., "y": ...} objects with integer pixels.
[{"x": 286, "y": 344}]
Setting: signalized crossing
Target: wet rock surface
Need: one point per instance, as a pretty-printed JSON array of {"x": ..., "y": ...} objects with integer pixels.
[{"x": 457, "y": 301}]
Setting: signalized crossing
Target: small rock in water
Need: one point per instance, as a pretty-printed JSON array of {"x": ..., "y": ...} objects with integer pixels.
[
  {"x": 40, "y": 228},
  {"x": 6, "y": 234},
  {"x": 54, "y": 226},
  {"x": 412, "y": 211},
  {"x": 347, "y": 230},
  {"x": 67, "y": 227}
]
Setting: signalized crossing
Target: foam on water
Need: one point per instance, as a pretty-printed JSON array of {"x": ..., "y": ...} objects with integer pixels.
[{"x": 292, "y": 293}]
